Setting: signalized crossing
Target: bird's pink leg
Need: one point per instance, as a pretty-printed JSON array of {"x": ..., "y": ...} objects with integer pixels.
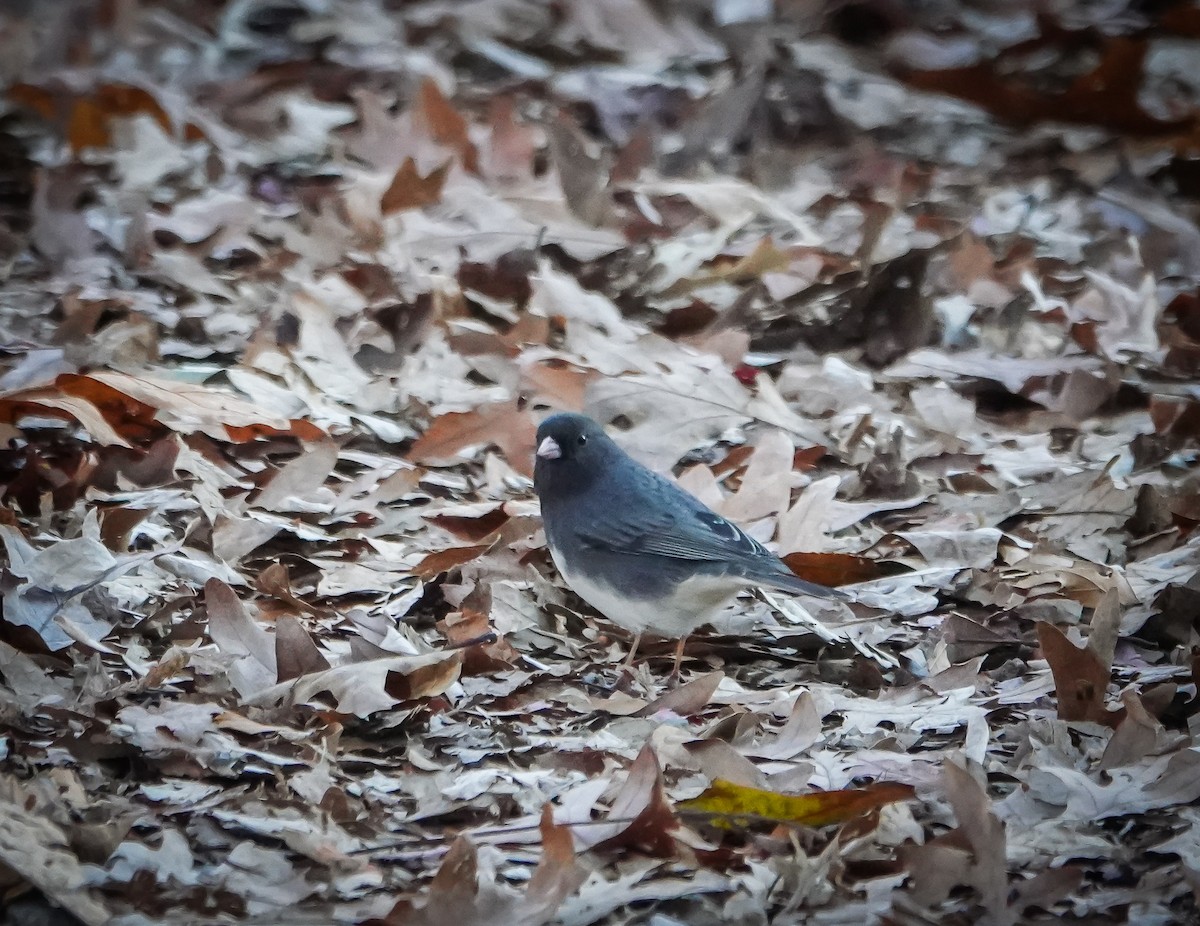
[
  {"x": 627, "y": 665},
  {"x": 674, "y": 677}
]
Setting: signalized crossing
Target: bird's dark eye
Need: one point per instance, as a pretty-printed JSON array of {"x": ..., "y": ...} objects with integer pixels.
[{"x": 582, "y": 439}]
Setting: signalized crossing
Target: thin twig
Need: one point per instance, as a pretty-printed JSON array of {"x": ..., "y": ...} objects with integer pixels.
[{"x": 493, "y": 831}]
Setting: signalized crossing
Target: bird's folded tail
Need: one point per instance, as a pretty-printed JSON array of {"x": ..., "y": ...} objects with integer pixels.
[{"x": 785, "y": 582}]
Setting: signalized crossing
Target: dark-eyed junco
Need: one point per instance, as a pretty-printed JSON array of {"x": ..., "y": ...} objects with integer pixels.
[{"x": 635, "y": 546}]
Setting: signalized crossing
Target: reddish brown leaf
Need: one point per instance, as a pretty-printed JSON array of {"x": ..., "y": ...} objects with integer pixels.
[
  {"x": 424, "y": 681},
  {"x": 473, "y": 529},
  {"x": 559, "y": 385},
  {"x": 447, "y": 125},
  {"x": 1080, "y": 677},
  {"x": 409, "y": 190},
  {"x": 295, "y": 427},
  {"x": 691, "y": 319},
  {"x": 38, "y": 99},
  {"x": 1181, "y": 20},
  {"x": 643, "y": 798},
  {"x": 503, "y": 424},
  {"x": 16, "y": 407},
  {"x": 185, "y": 407},
  {"x": 1179, "y": 418},
  {"x": 512, "y": 146},
  {"x": 835, "y": 569},
  {"x": 462, "y": 627},
  {"x": 735, "y": 460},
  {"x": 116, "y": 525},
  {"x": 1107, "y": 95},
  {"x": 88, "y": 117},
  {"x": 435, "y": 564},
  {"x": 116, "y": 408},
  {"x": 557, "y": 875}
]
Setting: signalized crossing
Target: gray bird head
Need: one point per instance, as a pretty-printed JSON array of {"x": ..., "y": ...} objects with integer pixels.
[{"x": 572, "y": 450}]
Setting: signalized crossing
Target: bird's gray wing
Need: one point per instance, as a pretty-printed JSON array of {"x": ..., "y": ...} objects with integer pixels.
[
  {"x": 668, "y": 522},
  {"x": 682, "y": 529}
]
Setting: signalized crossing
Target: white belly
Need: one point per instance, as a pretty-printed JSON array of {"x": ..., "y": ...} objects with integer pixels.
[{"x": 694, "y": 602}]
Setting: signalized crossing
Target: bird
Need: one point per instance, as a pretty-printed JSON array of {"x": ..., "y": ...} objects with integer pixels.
[{"x": 635, "y": 546}]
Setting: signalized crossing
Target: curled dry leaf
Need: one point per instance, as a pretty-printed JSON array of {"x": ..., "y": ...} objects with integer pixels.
[
  {"x": 444, "y": 560},
  {"x": 248, "y": 647},
  {"x": 641, "y": 815},
  {"x": 463, "y": 895},
  {"x": 89, "y": 116},
  {"x": 44, "y": 583},
  {"x": 362, "y": 688},
  {"x": 473, "y": 526},
  {"x": 1080, "y": 677},
  {"x": 322, "y": 232},
  {"x": 974, "y": 854},
  {"x": 1108, "y": 95},
  {"x": 409, "y": 190},
  {"x": 116, "y": 408},
  {"x": 295, "y": 652},
  {"x": 834, "y": 569},
  {"x": 984, "y": 834},
  {"x": 296, "y": 483},
  {"x": 688, "y": 698},
  {"x": 447, "y": 126},
  {"x": 503, "y": 424},
  {"x": 39, "y": 852}
]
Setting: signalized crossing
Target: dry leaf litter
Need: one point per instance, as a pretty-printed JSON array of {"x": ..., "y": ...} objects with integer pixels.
[{"x": 912, "y": 293}]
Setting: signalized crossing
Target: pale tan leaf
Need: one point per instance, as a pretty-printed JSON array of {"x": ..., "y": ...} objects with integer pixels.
[{"x": 362, "y": 688}]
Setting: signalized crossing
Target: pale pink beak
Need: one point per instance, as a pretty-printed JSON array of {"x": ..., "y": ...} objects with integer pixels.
[{"x": 548, "y": 449}]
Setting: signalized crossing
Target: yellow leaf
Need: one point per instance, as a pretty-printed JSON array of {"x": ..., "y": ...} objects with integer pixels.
[{"x": 726, "y": 800}]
